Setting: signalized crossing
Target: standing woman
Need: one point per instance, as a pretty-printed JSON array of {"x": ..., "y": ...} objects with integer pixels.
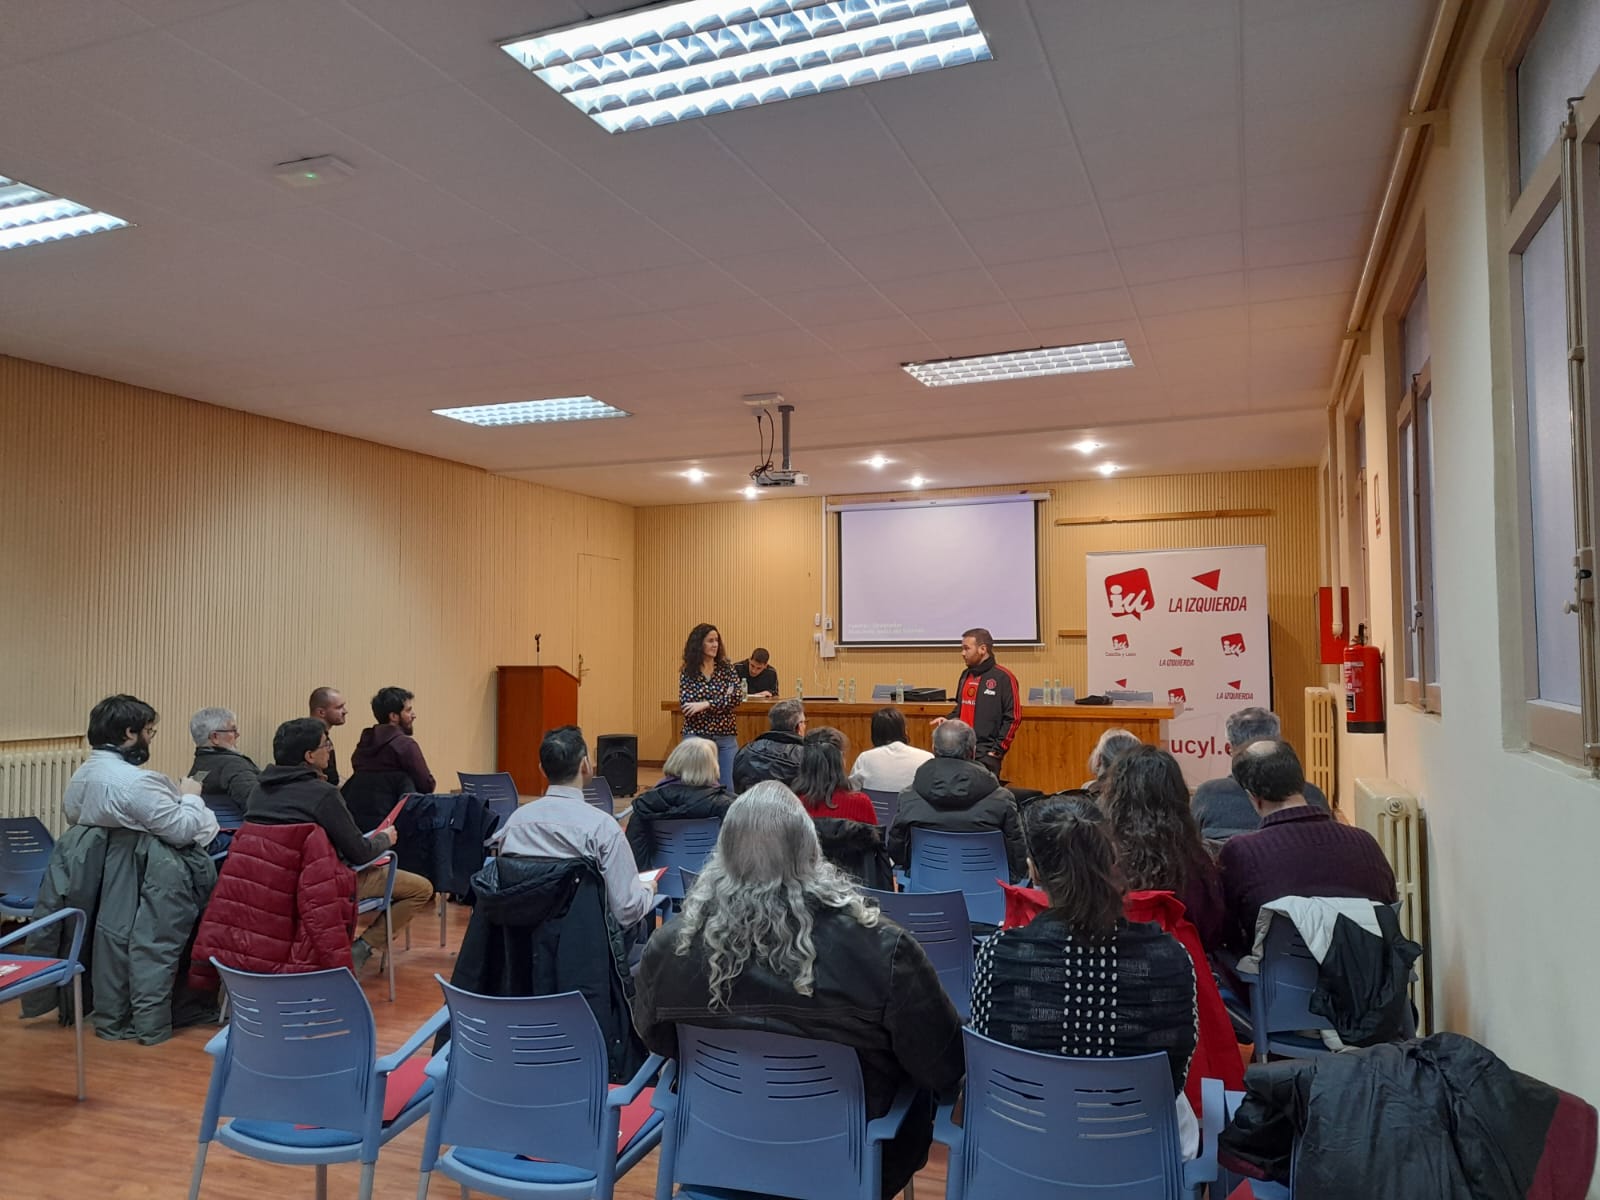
[{"x": 708, "y": 692}]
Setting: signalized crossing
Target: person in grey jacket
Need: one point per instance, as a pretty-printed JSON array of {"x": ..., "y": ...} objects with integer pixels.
[
  {"x": 225, "y": 775},
  {"x": 954, "y": 794},
  {"x": 1220, "y": 806}
]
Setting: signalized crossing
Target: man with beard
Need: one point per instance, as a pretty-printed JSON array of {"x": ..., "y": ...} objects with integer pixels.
[
  {"x": 114, "y": 791},
  {"x": 389, "y": 745},
  {"x": 327, "y": 705}
]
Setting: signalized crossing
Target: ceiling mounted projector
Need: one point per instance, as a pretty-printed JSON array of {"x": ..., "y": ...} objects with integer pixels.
[{"x": 765, "y": 474}]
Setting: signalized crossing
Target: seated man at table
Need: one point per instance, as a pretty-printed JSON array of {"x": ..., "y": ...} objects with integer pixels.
[
  {"x": 562, "y": 824},
  {"x": 776, "y": 753},
  {"x": 293, "y": 792},
  {"x": 759, "y": 675}
]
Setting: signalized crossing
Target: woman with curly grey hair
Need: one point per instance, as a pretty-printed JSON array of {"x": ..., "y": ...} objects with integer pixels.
[{"x": 773, "y": 937}]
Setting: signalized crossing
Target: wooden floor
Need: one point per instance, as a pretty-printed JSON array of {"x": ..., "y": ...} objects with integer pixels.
[{"x": 134, "y": 1137}]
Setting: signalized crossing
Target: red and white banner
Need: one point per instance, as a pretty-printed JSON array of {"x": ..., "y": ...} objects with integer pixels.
[{"x": 1190, "y": 627}]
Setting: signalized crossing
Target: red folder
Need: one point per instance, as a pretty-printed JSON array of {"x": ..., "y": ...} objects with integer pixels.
[
  {"x": 405, "y": 1081},
  {"x": 394, "y": 814},
  {"x": 15, "y": 970}
]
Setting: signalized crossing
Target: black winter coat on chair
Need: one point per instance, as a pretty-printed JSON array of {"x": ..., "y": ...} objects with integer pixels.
[{"x": 541, "y": 926}]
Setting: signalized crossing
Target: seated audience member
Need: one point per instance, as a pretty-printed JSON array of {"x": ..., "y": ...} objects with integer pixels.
[
  {"x": 1158, "y": 845},
  {"x": 1298, "y": 851},
  {"x": 759, "y": 675},
  {"x": 1221, "y": 808},
  {"x": 1028, "y": 985},
  {"x": 226, "y": 776},
  {"x": 111, "y": 790},
  {"x": 390, "y": 745},
  {"x": 293, "y": 792},
  {"x": 892, "y": 761},
  {"x": 327, "y": 705},
  {"x": 1113, "y": 744},
  {"x": 821, "y": 783},
  {"x": 562, "y": 824},
  {"x": 776, "y": 753},
  {"x": 773, "y": 938},
  {"x": 953, "y": 793},
  {"x": 690, "y": 789}
]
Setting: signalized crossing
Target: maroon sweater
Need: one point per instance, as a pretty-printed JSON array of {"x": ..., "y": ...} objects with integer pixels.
[
  {"x": 1299, "y": 851},
  {"x": 389, "y": 748}
]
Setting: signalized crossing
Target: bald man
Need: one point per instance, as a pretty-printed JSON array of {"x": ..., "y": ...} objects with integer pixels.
[{"x": 327, "y": 705}]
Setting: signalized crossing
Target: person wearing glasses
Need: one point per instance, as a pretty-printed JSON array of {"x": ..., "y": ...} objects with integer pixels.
[{"x": 226, "y": 776}]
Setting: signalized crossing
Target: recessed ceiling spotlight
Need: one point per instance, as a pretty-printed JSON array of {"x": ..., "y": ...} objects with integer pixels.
[
  {"x": 674, "y": 62},
  {"x": 1108, "y": 468},
  {"x": 694, "y": 475},
  {"x": 877, "y": 462},
  {"x": 1021, "y": 364},
  {"x": 751, "y": 491},
  {"x": 533, "y": 412},
  {"x": 30, "y": 215},
  {"x": 1087, "y": 446},
  {"x": 916, "y": 481}
]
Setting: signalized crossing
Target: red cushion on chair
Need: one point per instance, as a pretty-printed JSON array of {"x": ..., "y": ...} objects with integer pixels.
[{"x": 15, "y": 970}]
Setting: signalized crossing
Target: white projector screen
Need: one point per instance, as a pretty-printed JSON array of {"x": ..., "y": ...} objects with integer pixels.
[{"x": 915, "y": 574}]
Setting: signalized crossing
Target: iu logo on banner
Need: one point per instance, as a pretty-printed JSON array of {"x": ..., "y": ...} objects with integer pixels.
[
  {"x": 1129, "y": 594},
  {"x": 1233, "y": 644}
]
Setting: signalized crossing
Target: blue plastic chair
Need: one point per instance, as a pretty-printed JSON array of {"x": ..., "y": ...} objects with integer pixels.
[
  {"x": 969, "y": 863},
  {"x": 527, "y": 1076},
  {"x": 885, "y": 804},
  {"x": 1053, "y": 1128},
  {"x": 599, "y": 794},
  {"x": 301, "y": 1050},
  {"x": 25, "y": 846},
  {"x": 682, "y": 844},
  {"x": 939, "y": 922},
  {"x": 770, "y": 1114},
  {"x": 1281, "y": 1020},
  {"x": 63, "y": 971},
  {"x": 382, "y": 904},
  {"x": 498, "y": 791}
]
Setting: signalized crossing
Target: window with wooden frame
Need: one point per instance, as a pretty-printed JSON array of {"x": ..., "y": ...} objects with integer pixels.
[
  {"x": 1553, "y": 214},
  {"x": 1414, "y": 457}
]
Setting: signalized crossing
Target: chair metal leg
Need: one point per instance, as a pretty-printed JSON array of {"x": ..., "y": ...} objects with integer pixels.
[
  {"x": 443, "y": 919},
  {"x": 199, "y": 1170},
  {"x": 911, "y": 1189},
  {"x": 322, "y": 1181},
  {"x": 465, "y": 1195},
  {"x": 408, "y": 937},
  {"x": 424, "y": 1178},
  {"x": 367, "y": 1170},
  {"x": 77, "y": 1028},
  {"x": 388, "y": 951}
]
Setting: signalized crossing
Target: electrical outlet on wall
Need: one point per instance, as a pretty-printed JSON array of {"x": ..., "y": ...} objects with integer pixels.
[
  {"x": 827, "y": 623},
  {"x": 817, "y": 620}
]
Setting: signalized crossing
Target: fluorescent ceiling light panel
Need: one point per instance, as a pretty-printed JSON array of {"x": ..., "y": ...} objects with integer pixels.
[
  {"x": 1022, "y": 364},
  {"x": 674, "y": 62},
  {"x": 29, "y": 215},
  {"x": 534, "y": 412}
]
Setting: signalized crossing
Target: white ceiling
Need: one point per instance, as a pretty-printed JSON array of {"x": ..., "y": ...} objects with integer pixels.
[{"x": 1198, "y": 177}]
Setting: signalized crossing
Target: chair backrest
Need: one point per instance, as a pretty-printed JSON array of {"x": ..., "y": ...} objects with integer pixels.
[
  {"x": 300, "y": 1048},
  {"x": 527, "y": 1075},
  {"x": 683, "y": 843},
  {"x": 228, "y": 813},
  {"x": 885, "y": 803},
  {"x": 768, "y": 1113},
  {"x": 497, "y": 790},
  {"x": 599, "y": 794},
  {"x": 1053, "y": 1128},
  {"x": 969, "y": 863},
  {"x": 939, "y": 922},
  {"x": 1287, "y": 979},
  {"x": 25, "y": 846}
]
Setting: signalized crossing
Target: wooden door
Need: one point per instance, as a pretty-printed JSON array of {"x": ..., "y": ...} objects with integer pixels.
[{"x": 600, "y": 640}]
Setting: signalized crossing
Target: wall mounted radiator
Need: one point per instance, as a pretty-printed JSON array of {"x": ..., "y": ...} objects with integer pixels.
[
  {"x": 33, "y": 778},
  {"x": 1322, "y": 716},
  {"x": 1392, "y": 815}
]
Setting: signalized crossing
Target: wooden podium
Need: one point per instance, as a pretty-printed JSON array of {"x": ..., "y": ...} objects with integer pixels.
[{"x": 531, "y": 701}]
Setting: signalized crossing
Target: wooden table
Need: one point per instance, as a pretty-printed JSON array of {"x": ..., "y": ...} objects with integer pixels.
[{"x": 1051, "y": 750}]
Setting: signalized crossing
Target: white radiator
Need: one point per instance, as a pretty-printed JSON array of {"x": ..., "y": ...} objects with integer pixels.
[
  {"x": 1322, "y": 717},
  {"x": 33, "y": 780},
  {"x": 1392, "y": 815}
]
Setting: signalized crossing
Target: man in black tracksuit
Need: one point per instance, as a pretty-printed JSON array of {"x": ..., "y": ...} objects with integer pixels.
[{"x": 986, "y": 699}]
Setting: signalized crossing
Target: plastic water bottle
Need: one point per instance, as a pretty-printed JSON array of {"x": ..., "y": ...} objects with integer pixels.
[
  {"x": 744, "y": 689},
  {"x": 841, "y": 691},
  {"x": 852, "y": 689},
  {"x": 899, "y": 691},
  {"x": 1061, "y": 694},
  {"x": 800, "y": 688},
  {"x": 1049, "y": 691}
]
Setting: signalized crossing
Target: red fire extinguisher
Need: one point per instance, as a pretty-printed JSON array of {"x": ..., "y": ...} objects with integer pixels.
[{"x": 1363, "y": 685}]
